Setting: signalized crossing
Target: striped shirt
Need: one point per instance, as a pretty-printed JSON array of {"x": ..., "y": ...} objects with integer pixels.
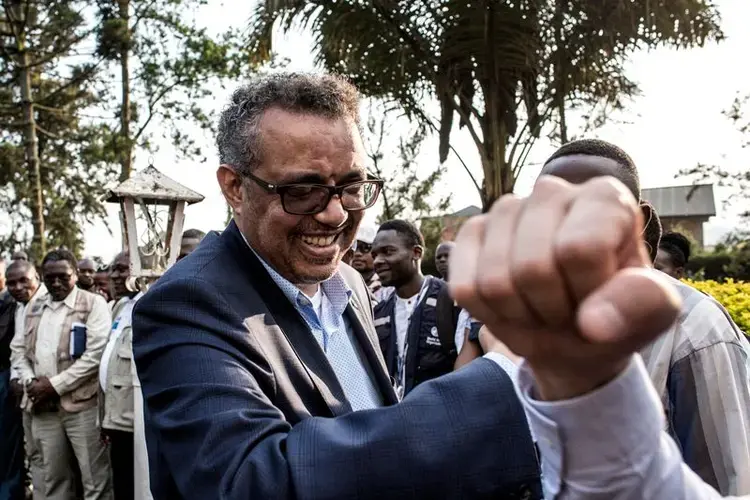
[{"x": 700, "y": 369}]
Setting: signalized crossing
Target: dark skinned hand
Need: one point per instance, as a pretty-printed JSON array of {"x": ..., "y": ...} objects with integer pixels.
[{"x": 41, "y": 390}]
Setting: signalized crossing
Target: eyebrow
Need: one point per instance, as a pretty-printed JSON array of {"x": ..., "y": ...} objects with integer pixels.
[{"x": 313, "y": 178}]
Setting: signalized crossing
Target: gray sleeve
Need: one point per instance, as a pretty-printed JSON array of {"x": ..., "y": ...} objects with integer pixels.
[{"x": 709, "y": 414}]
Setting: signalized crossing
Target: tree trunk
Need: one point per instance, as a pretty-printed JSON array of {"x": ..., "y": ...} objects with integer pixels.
[
  {"x": 31, "y": 143},
  {"x": 561, "y": 69},
  {"x": 125, "y": 141}
]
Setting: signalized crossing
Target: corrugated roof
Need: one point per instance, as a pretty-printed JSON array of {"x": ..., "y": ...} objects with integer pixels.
[
  {"x": 682, "y": 201},
  {"x": 150, "y": 184}
]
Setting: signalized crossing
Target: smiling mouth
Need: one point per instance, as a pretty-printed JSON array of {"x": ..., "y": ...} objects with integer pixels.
[{"x": 319, "y": 241}]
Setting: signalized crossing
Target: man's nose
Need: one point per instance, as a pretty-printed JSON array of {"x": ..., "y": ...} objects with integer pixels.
[{"x": 334, "y": 214}]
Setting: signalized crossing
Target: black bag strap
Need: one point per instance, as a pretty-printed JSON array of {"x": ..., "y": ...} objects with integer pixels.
[{"x": 446, "y": 319}]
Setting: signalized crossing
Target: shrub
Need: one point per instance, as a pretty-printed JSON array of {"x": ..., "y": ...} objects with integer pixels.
[{"x": 734, "y": 295}]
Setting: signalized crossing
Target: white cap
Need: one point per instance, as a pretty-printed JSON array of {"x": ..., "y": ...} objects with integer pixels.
[{"x": 366, "y": 233}]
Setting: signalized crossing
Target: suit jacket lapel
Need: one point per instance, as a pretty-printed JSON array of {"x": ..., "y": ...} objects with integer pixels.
[{"x": 292, "y": 325}]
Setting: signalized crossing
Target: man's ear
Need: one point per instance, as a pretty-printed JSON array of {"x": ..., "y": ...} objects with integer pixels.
[
  {"x": 230, "y": 182},
  {"x": 418, "y": 252}
]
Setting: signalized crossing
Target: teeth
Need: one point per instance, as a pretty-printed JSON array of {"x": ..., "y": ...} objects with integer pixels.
[{"x": 319, "y": 241}]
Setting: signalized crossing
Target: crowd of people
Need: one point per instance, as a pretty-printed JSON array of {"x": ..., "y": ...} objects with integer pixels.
[
  {"x": 557, "y": 355},
  {"x": 68, "y": 381}
]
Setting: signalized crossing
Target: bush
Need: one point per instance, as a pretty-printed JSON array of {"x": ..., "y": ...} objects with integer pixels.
[{"x": 734, "y": 295}]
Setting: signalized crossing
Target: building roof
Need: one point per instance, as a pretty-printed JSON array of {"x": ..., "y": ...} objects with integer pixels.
[
  {"x": 151, "y": 185},
  {"x": 469, "y": 211},
  {"x": 682, "y": 201}
]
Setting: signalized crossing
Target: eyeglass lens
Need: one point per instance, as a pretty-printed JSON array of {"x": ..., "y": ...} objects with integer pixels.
[{"x": 306, "y": 199}]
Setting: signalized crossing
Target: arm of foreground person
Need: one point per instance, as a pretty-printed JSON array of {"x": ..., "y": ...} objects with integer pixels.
[
  {"x": 609, "y": 444},
  {"x": 214, "y": 431}
]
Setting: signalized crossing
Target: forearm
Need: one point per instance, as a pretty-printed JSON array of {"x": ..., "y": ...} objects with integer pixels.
[{"x": 609, "y": 444}]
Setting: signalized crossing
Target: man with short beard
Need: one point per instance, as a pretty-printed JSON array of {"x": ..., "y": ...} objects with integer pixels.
[
  {"x": 258, "y": 354},
  {"x": 23, "y": 284}
]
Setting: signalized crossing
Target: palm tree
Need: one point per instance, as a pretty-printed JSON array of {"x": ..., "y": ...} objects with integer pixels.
[{"x": 504, "y": 68}]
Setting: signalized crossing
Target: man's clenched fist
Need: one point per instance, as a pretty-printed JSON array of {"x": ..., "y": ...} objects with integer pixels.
[{"x": 562, "y": 278}]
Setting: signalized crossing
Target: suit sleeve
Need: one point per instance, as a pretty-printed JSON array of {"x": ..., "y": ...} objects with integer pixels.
[{"x": 210, "y": 417}]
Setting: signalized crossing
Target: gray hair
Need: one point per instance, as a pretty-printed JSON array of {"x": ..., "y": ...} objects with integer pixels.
[{"x": 238, "y": 137}]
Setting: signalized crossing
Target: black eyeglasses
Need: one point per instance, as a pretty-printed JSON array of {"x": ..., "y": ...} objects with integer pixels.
[
  {"x": 310, "y": 199},
  {"x": 362, "y": 247}
]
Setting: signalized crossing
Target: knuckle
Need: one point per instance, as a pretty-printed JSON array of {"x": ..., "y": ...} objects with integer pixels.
[
  {"x": 583, "y": 251},
  {"x": 504, "y": 203},
  {"x": 548, "y": 185},
  {"x": 529, "y": 272},
  {"x": 495, "y": 286}
]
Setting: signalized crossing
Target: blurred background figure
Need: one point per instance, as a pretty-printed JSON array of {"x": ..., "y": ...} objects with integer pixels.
[
  {"x": 190, "y": 241},
  {"x": 20, "y": 255},
  {"x": 442, "y": 255},
  {"x": 86, "y": 275},
  {"x": 673, "y": 255},
  {"x": 101, "y": 278}
]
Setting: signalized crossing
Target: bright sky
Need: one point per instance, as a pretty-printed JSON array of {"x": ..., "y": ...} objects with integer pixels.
[{"x": 674, "y": 124}]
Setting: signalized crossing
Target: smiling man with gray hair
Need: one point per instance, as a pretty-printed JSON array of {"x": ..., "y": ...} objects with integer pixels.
[{"x": 258, "y": 357}]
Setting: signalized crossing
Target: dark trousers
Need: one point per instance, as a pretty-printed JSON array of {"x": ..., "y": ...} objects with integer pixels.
[
  {"x": 11, "y": 443},
  {"x": 121, "y": 458}
]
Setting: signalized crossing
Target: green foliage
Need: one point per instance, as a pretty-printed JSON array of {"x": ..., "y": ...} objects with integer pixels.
[
  {"x": 738, "y": 181},
  {"x": 406, "y": 194},
  {"x": 75, "y": 154},
  {"x": 431, "y": 229},
  {"x": 730, "y": 259},
  {"x": 505, "y": 69},
  {"x": 733, "y": 295},
  {"x": 156, "y": 54}
]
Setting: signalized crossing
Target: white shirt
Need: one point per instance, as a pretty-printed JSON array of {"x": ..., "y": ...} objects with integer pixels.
[
  {"x": 48, "y": 338},
  {"x": 464, "y": 322},
  {"x": 124, "y": 319},
  {"x": 609, "y": 444}
]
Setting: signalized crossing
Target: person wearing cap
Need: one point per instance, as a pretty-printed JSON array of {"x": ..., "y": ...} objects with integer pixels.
[{"x": 363, "y": 263}]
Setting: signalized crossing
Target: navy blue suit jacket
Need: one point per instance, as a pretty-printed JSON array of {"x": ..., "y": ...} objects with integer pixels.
[{"x": 241, "y": 403}]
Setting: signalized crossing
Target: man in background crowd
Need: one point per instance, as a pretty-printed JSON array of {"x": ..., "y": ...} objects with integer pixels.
[
  {"x": 19, "y": 255},
  {"x": 23, "y": 284},
  {"x": 674, "y": 254},
  {"x": 190, "y": 241},
  {"x": 11, "y": 434},
  {"x": 442, "y": 256},
  {"x": 86, "y": 274},
  {"x": 116, "y": 381},
  {"x": 58, "y": 364},
  {"x": 406, "y": 321},
  {"x": 101, "y": 278},
  {"x": 699, "y": 366},
  {"x": 362, "y": 262}
]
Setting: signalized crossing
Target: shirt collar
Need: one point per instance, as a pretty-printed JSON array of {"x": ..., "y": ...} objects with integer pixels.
[
  {"x": 334, "y": 288},
  {"x": 69, "y": 301}
]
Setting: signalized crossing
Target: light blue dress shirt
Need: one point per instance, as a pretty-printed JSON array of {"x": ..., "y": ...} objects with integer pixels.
[{"x": 335, "y": 336}]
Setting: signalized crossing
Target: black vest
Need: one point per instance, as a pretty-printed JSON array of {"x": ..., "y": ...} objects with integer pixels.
[{"x": 426, "y": 358}]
